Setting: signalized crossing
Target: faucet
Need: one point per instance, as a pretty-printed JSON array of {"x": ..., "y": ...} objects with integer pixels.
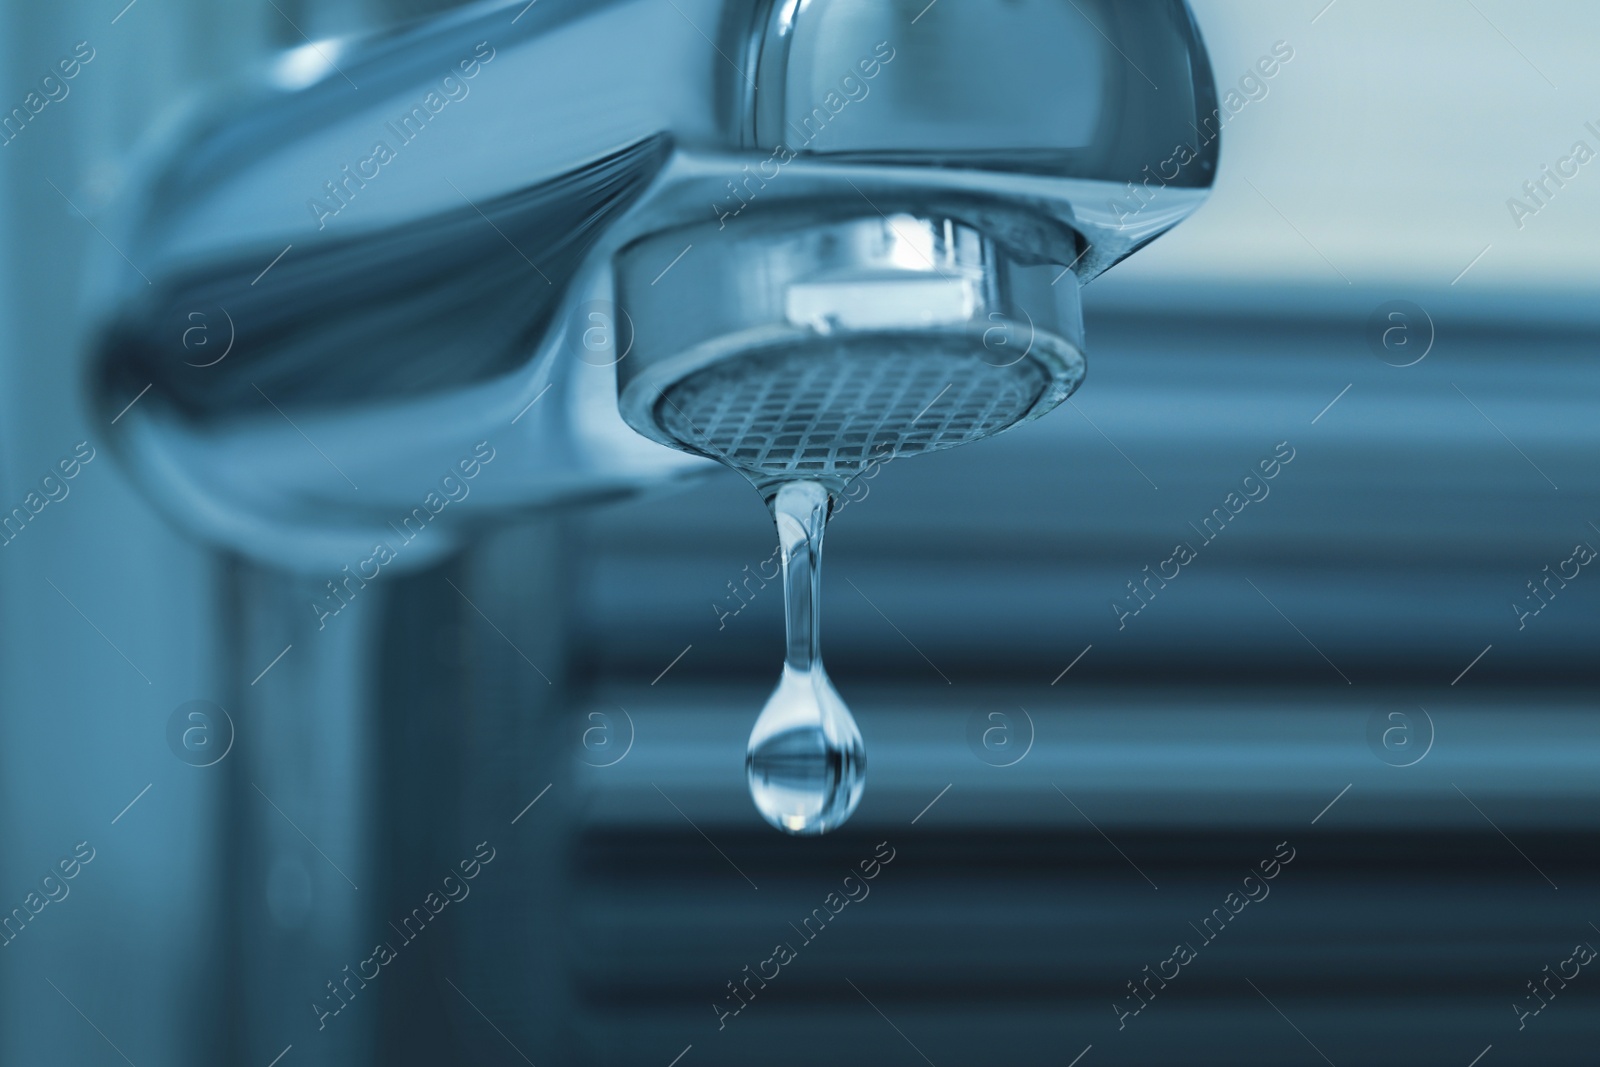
[
  {"x": 526, "y": 224},
  {"x": 396, "y": 291}
]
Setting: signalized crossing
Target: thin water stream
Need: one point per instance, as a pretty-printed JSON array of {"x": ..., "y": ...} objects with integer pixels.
[{"x": 805, "y": 764}]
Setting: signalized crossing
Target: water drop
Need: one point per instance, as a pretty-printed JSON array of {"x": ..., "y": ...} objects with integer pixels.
[{"x": 805, "y": 764}]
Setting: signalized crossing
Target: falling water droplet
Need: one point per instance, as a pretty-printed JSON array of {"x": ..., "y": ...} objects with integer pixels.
[{"x": 806, "y": 764}]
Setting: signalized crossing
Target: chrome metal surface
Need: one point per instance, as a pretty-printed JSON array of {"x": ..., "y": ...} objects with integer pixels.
[
  {"x": 814, "y": 351},
  {"x": 408, "y": 268}
]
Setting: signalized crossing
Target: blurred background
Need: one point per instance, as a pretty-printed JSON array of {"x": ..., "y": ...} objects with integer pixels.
[{"x": 1356, "y": 672}]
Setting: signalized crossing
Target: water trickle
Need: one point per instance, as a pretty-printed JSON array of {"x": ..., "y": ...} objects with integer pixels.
[{"x": 805, "y": 764}]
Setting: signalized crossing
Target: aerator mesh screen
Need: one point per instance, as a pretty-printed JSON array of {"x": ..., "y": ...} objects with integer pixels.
[{"x": 820, "y": 408}]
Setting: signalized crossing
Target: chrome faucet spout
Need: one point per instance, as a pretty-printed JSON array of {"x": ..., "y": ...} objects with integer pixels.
[{"x": 529, "y": 225}]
